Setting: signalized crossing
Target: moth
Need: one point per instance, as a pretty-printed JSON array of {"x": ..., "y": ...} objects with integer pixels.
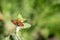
[{"x": 17, "y": 22}]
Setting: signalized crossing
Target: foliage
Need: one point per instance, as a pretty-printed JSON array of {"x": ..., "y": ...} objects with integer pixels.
[{"x": 40, "y": 13}]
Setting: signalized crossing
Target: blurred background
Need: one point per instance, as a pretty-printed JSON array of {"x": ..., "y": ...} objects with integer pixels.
[{"x": 43, "y": 15}]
